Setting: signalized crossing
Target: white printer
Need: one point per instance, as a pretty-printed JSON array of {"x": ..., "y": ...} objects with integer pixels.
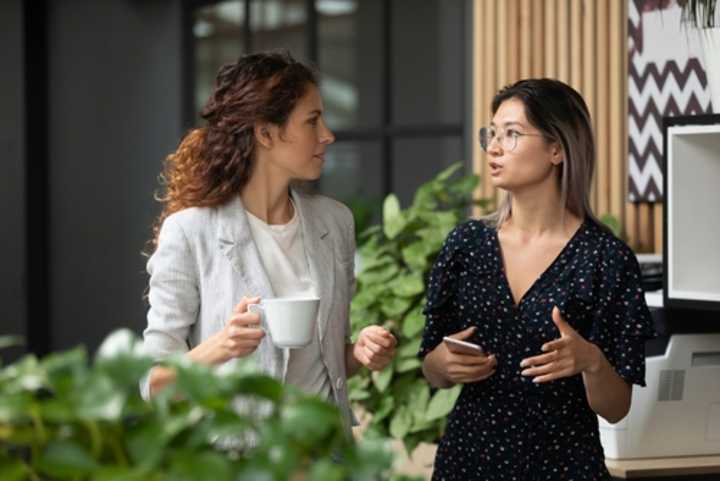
[{"x": 678, "y": 413}]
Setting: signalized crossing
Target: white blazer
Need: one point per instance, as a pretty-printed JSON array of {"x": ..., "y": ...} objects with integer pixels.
[{"x": 206, "y": 260}]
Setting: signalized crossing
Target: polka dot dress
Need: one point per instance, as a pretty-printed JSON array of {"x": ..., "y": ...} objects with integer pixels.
[{"x": 507, "y": 427}]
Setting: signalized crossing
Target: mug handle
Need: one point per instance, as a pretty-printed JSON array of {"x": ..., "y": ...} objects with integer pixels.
[{"x": 256, "y": 309}]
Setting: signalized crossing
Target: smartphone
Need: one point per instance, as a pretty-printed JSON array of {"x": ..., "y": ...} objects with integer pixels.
[{"x": 462, "y": 347}]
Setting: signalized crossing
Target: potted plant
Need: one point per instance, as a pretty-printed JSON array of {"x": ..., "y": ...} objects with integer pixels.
[
  {"x": 704, "y": 16},
  {"x": 396, "y": 261},
  {"x": 64, "y": 418}
]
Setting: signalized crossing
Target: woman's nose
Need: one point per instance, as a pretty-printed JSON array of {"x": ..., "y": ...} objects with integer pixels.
[{"x": 326, "y": 135}]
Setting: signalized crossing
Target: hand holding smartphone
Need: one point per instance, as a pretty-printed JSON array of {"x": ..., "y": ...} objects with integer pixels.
[{"x": 462, "y": 347}]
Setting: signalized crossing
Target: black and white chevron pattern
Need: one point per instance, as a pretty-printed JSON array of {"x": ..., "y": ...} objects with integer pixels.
[{"x": 658, "y": 86}]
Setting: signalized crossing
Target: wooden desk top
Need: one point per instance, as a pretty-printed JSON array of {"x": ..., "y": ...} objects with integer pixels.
[{"x": 658, "y": 467}]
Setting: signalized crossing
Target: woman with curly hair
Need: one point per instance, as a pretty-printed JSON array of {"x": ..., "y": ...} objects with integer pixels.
[{"x": 233, "y": 230}]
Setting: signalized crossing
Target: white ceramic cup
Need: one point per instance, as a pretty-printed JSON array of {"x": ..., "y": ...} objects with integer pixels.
[{"x": 290, "y": 320}]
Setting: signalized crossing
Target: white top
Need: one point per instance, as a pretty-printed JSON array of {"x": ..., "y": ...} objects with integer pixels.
[{"x": 282, "y": 252}]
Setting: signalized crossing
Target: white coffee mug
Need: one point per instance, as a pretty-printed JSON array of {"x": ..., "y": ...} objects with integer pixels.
[{"x": 290, "y": 320}]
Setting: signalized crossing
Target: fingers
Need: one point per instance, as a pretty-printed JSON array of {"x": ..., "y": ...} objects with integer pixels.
[
  {"x": 555, "y": 345},
  {"x": 464, "y": 334},
  {"x": 245, "y": 319},
  {"x": 466, "y": 374},
  {"x": 380, "y": 336},
  {"x": 554, "y": 376},
  {"x": 239, "y": 333},
  {"x": 545, "y": 368},
  {"x": 242, "y": 306},
  {"x": 540, "y": 360},
  {"x": 468, "y": 359}
]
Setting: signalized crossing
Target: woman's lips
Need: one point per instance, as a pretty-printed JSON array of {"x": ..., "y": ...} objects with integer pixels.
[{"x": 495, "y": 168}]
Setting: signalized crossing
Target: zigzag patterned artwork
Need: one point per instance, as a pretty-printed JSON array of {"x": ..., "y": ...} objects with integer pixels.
[{"x": 666, "y": 79}]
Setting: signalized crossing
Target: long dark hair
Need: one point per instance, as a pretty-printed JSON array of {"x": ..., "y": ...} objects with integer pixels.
[{"x": 213, "y": 163}]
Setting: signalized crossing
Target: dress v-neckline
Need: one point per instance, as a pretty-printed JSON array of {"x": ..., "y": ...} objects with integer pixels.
[{"x": 503, "y": 273}]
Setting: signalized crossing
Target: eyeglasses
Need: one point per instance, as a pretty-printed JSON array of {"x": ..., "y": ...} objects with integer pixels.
[{"x": 508, "y": 138}]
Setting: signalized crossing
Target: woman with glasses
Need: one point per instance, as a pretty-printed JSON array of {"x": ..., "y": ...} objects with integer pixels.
[
  {"x": 234, "y": 229},
  {"x": 551, "y": 297}
]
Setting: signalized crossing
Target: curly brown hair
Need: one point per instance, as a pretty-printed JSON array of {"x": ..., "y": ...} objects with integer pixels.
[{"x": 213, "y": 163}]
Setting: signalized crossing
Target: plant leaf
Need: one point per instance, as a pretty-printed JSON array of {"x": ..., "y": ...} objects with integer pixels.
[
  {"x": 413, "y": 323},
  {"x": 66, "y": 460},
  {"x": 442, "y": 402},
  {"x": 408, "y": 285},
  {"x": 404, "y": 365},
  {"x": 401, "y": 422},
  {"x": 409, "y": 349},
  {"x": 381, "y": 379},
  {"x": 449, "y": 171}
]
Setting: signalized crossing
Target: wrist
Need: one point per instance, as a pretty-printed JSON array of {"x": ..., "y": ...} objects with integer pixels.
[
  {"x": 597, "y": 359},
  {"x": 210, "y": 352}
]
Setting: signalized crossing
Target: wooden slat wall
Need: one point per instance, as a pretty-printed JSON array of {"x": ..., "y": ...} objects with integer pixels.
[{"x": 583, "y": 43}]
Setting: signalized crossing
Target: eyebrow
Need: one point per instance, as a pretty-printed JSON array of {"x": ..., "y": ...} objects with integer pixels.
[
  {"x": 315, "y": 112},
  {"x": 512, "y": 122}
]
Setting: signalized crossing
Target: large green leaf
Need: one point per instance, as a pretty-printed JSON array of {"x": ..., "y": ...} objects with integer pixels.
[
  {"x": 194, "y": 466},
  {"x": 413, "y": 322},
  {"x": 415, "y": 255},
  {"x": 401, "y": 422},
  {"x": 66, "y": 460},
  {"x": 391, "y": 207},
  {"x": 381, "y": 379},
  {"x": 409, "y": 349},
  {"x": 442, "y": 402},
  {"x": 408, "y": 285},
  {"x": 408, "y": 364},
  {"x": 379, "y": 276},
  {"x": 13, "y": 470},
  {"x": 394, "y": 307},
  {"x": 387, "y": 403},
  {"x": 311, "y": 419},
  {"x": 465, "y": 186},
  {"x": 449, "y": 171}
]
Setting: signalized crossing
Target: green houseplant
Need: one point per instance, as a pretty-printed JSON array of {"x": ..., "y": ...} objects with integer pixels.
[
  {"x": 65, "y": 418},
  {"x": 396, "y": 261}
]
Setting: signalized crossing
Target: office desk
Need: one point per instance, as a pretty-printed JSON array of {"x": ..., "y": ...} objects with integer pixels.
[{"x": 688, "y": 468}]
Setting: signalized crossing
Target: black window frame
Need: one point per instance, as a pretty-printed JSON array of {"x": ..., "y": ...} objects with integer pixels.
[{"x": 386, "y": 133}]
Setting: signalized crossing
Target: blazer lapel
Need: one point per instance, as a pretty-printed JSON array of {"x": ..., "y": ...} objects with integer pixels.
[
  {"x": 236, "y": 242},
  {"x": 319, "y": 251}
]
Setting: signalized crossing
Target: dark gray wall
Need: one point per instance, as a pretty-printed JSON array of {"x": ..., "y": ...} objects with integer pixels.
[
  {"x": 115, "y": 113},
  {"x": 12, "y": 179}
]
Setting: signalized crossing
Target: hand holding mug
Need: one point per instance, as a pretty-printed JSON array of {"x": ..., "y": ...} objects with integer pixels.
[
  {"x": 375, "y": 348},
  {"x": 242, "y": 333}
]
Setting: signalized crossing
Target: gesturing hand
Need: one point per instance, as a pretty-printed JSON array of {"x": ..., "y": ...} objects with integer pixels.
[
  {"x": 375, "y": 348},
  {"x": 567, "y": 356},
  {"x": 463, "y": 368}
]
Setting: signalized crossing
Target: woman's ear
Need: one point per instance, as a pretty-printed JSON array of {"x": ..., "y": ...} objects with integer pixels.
[
  {"x": 558, "y": 155},
  {"x": 263, "y": 134}
]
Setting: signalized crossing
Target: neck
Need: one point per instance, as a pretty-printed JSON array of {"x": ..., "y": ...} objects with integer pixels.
[
  {"x": 267, "y": 196},
  {"x": 538, "y": 211}
]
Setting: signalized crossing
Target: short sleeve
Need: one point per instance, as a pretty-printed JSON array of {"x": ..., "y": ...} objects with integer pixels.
[
  {"x": 440, "y": 311},
  {"x": 623, "y": 322}
]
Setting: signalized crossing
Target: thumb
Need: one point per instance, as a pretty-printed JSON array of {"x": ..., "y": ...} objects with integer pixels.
[
  {"x": 561, "y": 324},
  {"x": 463, "y": 334},
  {"x": 242, "y": 306}
]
